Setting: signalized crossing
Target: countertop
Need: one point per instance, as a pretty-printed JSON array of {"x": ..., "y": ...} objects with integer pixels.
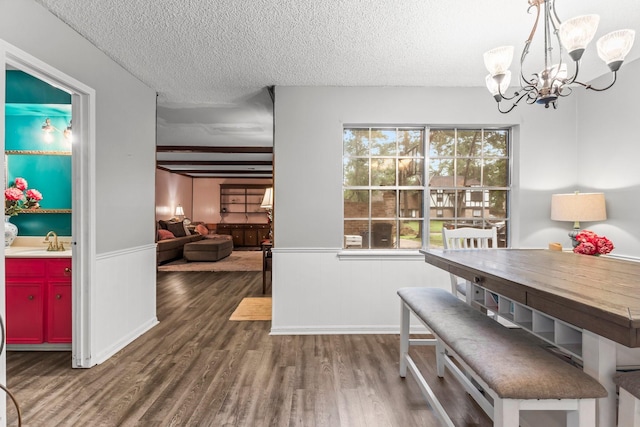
[{"x": 27, "y": 247}]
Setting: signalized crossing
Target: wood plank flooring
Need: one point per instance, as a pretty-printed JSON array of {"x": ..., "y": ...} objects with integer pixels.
[{"x": 197, "y": 368}]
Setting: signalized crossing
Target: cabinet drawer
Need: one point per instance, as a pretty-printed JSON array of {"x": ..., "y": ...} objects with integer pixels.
[
  {"x": 17, "y": 267},
  {"x": 59, "y": 267}
]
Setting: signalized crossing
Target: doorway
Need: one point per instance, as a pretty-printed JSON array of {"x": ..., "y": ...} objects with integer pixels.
[{"x": 82, "y": 176}]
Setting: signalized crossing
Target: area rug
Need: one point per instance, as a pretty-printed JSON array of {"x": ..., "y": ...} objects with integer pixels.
[
  {"x": 253, "y": 309},
  {"x": 237, "y": 261}
]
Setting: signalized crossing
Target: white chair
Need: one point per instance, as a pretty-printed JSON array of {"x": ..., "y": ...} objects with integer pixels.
[{"x": 467, "y": 238}]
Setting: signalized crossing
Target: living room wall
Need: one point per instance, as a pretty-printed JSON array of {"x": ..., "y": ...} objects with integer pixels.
[
  {"x": 173, "y": 189},
  {"x": 206, "y": 198}
]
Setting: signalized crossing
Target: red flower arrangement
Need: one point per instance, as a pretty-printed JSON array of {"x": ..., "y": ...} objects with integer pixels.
[
  {"x": 17, "y": 198},
  {"x": 589, "y": 243}
]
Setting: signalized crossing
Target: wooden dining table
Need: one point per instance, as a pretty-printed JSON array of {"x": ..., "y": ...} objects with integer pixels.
[{"x": 598, "y": 294}]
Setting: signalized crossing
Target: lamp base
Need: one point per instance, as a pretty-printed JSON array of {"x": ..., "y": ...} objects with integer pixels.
[{"x": 572, "y": 235}]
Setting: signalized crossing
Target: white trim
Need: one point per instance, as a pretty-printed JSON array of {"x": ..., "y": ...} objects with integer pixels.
[
  {"x": 83, "y": 204},
  {"x": 126, "y": 251},
  {"x": 369, "y": 255},
  {"x": 346, "y": 330},
  {"x": 126, "y": 340}
]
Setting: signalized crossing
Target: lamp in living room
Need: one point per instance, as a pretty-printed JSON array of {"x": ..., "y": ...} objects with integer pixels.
[
  {"x": 576, "y": 207},
  {"x": 267, "y": 203},
  {"x": 180, "y": 212}
]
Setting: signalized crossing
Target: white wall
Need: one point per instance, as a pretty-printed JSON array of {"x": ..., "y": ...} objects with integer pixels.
[
  {"x": 314, "y": 289},
  {"x": 125, "y": 170},
  {"x": 608, "y": 152}
]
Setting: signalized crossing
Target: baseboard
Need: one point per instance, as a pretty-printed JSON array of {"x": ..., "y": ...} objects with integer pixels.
[
  {"x": 122, "y": 343},
  {"x": 346, "y": 330}
]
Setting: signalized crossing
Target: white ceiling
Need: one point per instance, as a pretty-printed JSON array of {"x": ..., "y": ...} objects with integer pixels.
[{"x": 211, "y": 62}]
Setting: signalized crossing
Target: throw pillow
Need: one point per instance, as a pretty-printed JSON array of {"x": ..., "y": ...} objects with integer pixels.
[
  {"x": 165, "y": 234},
  {"x": 177, "y": 228},
  {"x": 163, "y": 224},
  {"x": 202, "y": 230}
]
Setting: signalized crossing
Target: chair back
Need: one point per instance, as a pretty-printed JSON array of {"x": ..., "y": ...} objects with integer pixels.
[{"x": 470, "y": 238}]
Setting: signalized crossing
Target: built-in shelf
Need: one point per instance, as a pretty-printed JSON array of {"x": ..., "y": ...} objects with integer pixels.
[{"x": 554, "y": 331}]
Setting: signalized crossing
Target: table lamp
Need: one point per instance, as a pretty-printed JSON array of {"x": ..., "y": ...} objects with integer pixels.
[
  {"x": 267, "y": 203},
  {"x": 180, "y": 212},
  {"x": 576, "y": 207}
]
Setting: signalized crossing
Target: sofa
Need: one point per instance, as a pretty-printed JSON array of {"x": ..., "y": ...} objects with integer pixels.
[{"x": 172, "y": 235}]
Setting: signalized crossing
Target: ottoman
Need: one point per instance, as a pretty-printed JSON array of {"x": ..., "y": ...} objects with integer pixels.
[{"x": 207, "y": 250}]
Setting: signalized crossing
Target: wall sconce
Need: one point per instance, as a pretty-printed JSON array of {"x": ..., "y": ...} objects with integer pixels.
[
  {"x": 576, "y": 207},
  {"x": 48, "y": 129}
]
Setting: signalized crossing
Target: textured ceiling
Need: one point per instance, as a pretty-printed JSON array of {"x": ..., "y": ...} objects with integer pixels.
[{"x": 211, "y": 61}]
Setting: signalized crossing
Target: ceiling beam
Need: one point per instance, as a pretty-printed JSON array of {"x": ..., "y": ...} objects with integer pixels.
[
  {"x": 203, "y": 149},
  {"x": 218, "y": 171},
  {"x": 216, "y": 162}
]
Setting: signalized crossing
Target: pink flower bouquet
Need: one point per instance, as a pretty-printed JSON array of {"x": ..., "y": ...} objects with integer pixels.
[
  {"x": 589, "y": 243},
  {"x": 17, "y": 197}
]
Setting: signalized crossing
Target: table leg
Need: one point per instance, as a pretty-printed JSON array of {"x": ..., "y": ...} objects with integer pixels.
[{"x": 599, "y": 358}]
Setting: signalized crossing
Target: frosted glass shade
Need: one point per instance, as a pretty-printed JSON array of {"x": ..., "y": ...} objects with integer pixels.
[
  {"x": 576, "y": 33},
  {"x": 494, "y": 87},
  {"x": 615, "y": 46},
  {"x": 498, "y": 60},
  {"x": 179, "y": 211},
  {"x": 578, "y": 207}
]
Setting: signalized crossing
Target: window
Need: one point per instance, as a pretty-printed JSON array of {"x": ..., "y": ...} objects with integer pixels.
[
  {"x": 383, "y": 187},
  {"x": 469, "y": 181}
]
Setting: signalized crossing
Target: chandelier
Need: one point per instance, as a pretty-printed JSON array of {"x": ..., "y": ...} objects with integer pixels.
[{"x": 553, "y": 81}]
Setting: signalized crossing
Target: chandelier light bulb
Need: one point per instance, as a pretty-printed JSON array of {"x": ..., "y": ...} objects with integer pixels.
[
  {"x": 498, "y": 88},
  {"x": 577, "y": 33},
  {"x": 614, "y": 47},
  {"x": 498, "y": 60}
]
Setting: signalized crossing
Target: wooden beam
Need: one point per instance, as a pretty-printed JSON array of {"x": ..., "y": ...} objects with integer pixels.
[
  {"x": 216, "y": 162},
  {"x": 206, "y": 149},
  {"x": 218, "y": 171}
]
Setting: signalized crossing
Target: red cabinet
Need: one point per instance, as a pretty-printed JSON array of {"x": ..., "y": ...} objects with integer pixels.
[{"x": 38, "y": 298}]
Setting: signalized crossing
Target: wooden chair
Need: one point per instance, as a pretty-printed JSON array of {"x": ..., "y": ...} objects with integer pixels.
[{"x": 467, "y": 238}]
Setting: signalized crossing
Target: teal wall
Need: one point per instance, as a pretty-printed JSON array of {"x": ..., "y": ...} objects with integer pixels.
[{"x": 29, "y": 102}]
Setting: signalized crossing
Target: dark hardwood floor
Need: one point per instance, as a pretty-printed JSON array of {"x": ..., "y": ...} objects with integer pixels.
[{"x": 197, "y": 368}]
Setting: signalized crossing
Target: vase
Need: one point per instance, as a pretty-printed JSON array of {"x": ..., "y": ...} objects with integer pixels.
[{"x": 10, "y": 231}]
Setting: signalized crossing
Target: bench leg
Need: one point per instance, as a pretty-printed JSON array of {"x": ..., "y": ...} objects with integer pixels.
[
  {"x": 440, "y": 351},
  {"x": 404, "y": 338},
  {"x": 584, "y": 416},
  {"x": 628, "y": 410},
  {"x": 506, "y": 413}
]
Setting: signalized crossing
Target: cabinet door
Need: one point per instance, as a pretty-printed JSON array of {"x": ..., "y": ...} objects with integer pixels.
[
  {"x": 238, "y": 237},
  {"x": 25, "y": 308},
  {"x": 251, "y": 237},
  {"x": 58, "y": 328},
  {"x": 263, "y": 234}
]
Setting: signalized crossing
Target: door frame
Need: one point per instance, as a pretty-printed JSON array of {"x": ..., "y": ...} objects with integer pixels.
[{"x": 83, "y": 112}]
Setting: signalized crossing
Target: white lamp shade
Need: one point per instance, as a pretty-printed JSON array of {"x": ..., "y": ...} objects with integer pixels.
[
  {"x": 267, "y": 200},
  {"x": 494, "y": 87},
  {"x": 498, "y": 60},
  {"x": 578, "y": 207},
  {"x": 576, "y": 33},
  {"x": 179, "y": 211},
  {"x": 616, "y": 45}
]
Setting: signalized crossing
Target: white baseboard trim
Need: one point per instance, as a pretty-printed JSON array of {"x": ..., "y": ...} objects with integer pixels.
[
  {"x": 346, "y": 330},
  {"x": 126, "y": 340}
]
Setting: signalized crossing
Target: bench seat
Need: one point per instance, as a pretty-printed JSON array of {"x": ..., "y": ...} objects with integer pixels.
[{"x": 511, "y": 363}]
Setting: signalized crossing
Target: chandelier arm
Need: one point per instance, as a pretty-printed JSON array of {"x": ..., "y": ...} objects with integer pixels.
[
  {"x": 515, "y": 104},
  {"x": 588, "y": 86}
]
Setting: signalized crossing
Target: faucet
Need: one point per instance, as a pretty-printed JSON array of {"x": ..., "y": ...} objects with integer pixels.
[{"x": 53, "y": 246}]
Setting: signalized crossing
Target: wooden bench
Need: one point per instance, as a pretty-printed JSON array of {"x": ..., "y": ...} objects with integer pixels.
[
  {"x": 629, "y": 398},
  {"x": 511, "y": 366}
]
